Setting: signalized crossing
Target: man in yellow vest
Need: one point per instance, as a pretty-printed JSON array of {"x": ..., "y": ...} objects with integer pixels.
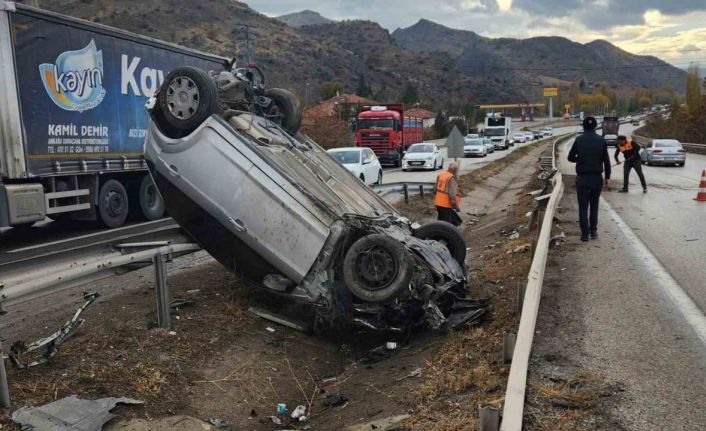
[{"x": 448, "y": 197}]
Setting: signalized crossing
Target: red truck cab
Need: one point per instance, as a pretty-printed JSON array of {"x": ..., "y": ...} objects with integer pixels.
[{"x": 387, "y": 131}]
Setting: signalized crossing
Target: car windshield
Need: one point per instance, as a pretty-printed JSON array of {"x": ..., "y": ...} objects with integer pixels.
[
  {"x": 346, "y": 157},
  {"x": 519, "y": 135},
  {"x": 474, "y": 142},
  {"x": 375, "y": 123},
  {"x": 667, "y": 144},
  {"x": 494, "y": 132},
  {"x": 420, "y": 149}
]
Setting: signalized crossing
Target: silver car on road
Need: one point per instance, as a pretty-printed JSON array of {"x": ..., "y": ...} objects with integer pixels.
[{"x": 664, "y": 152}]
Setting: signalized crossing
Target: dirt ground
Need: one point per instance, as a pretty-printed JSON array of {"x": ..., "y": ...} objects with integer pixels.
[{"x": 223, "y": 362}]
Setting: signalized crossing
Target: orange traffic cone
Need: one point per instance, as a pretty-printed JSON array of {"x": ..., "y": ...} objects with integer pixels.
[{"x": 701, "y": 195}]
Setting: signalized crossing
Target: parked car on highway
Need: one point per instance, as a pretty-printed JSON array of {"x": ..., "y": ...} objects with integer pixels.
[
  {"x": 475, "y": 147},
  {"x": 362, "y": 163},
  {"x": 489, "y": 146},
  {"x": 425, "y": 155},
  {"x": 519, "y": 138},
  {"x": 273, "y": 207},
  {"x": 529, "y": 136},
  {"x": 537, "y": 134},
  {"x": 635, "y": 122},
  {"x": 664, "y": 152}
]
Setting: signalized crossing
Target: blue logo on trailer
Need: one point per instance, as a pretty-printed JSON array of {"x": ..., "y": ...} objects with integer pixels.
[{"x": 75, "y": 81}]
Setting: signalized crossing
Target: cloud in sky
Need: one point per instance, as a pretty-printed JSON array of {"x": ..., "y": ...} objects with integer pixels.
[{"x": 664, "y": 28}]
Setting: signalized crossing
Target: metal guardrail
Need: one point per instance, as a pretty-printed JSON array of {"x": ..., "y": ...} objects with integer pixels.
[
  {"x": 404, "y": 188},
  {"x": 513, "y": 410}
]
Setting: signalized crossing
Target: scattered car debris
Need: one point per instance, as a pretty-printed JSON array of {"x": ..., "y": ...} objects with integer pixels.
[
  {"x": 270, "y": 329},
  {"x": 220, "y": 423},
  {"x": 557, "y": 239},
  {"x": 181, "y": 303},
  {"x": 514, "y": 235},
  {"x": 417, "y": 372},
  {"x": 391, "y": 345},
  {"x": 334, "y": 400},
  {"x": 41, "y": 351},
  {"x": 281, "y": 408},
  {"x": 520, "y": 249},
  {"x": 277, "y": 319},
  {"x": 386, "y": 424},
  {"x": 275, "y": 420},
  {"x": 299, "y": 413},
  {"x": 70, "y": 414}
]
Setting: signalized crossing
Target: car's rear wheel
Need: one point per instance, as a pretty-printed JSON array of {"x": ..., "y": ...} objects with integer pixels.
[
  {"x": 379, "y": 181},
  {"x": 285, "y": 109},
  {"x": 681, "y": 165},
  {"x": 186, "y": 99},
  {"x": 434, "y": 168},
  {"x": 377, "y": 268},
  {"x": 362, "y": 178},
  {"x": 447, "y": 234}
]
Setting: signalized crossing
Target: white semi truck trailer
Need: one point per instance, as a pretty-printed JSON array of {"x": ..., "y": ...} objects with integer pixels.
[{"x": 72, "y": 117}]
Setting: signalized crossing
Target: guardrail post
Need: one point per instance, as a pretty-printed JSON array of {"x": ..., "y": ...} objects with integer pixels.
[
  {"x": 508, "y": 346},
  {"x": 162, "y": 291},
  {"x": 488, "y": 418},
  {"x": 405, "y": 191},
  {"x": 4, "y": 388},
  {"x": 421, "y": 191}
]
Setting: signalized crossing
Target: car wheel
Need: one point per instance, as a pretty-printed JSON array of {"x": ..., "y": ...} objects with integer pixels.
[
  {"x": 681, "y": 165},
  {"x": 186, "y": 99},
  {"x": 362, "y": 178},
  {"x": 434, "y": 168},
  {"x": 379, "y": 181},
  {"x": 442, "y": 164},
  {"x": 285, "y": 109},
  {"x": 112, "y": 204},
  {"x": 647, "y": 161},
  {"x": 447, "y": 234},
  {"x": 151, "y": 202},
  {"x": 377, "y": 268}
]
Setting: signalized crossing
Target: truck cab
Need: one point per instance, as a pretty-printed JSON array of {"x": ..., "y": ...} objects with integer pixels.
[
  {"x": 497, "y": 128},
  {"x": 387, "y": 131}
]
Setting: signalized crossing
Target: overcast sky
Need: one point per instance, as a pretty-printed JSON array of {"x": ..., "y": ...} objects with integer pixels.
[{"x": 674, "y": 30}]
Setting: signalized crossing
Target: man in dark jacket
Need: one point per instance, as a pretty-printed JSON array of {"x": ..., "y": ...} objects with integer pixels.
[
  {"x": 590, "y": 153},
  {"x": 631, "y": 152}
]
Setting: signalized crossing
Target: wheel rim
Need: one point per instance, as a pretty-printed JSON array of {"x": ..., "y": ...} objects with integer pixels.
[
  {"x": 376, "y": 267},
  {"x": 152, "y": 197},
  {"x": 183, "y": 97},
  {"x": 114, "y": 204}
]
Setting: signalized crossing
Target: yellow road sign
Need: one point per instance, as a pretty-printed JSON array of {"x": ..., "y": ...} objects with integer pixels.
[{"x": 551, "y": 92}]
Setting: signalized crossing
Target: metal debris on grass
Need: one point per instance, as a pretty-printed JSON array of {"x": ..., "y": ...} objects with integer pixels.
[
  {"x": 40, "y": 351},
  {"x": 70, "y": 414}
]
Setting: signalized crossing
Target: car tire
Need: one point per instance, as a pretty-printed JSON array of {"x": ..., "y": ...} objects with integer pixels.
[
  {"x": 186, "y": 99},
  {"x": 112, "y": 204},
  {"x": 391, "y": 272},
  {"x": 379, "y": 181},
  {"x": 681, "y": 165},
  {"x": 151, "y": 202},
  {"x": 647, "y": 161},
  {"x": 361, "y": 177},
  {"x": 442, "y": 164},
  {"x": 287, "y": 106},
  {"x": 434, "y": 168},
  {"x": 447, "y": 234}
]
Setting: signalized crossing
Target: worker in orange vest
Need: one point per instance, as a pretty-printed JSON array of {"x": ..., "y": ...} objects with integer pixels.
[
  {"x": 448, "y": 196},
  {"x": 631, "y": 153}
]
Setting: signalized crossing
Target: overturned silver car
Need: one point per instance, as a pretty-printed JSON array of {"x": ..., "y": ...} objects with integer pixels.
[{"x": 273, "y": 207}]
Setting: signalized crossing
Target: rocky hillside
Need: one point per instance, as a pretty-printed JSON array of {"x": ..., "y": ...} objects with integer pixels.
[
  {"x": 524, "y": 60},
  {"x": 302, "y": 18},
  {"x": 448, "y": 68}
]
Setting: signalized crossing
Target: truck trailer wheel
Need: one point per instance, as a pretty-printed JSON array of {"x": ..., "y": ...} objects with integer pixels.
[
  {"x": 112, "y": 204},
  {"x": 377, "y": 268},
  {"x": 151, "y": 202},
  {"x": 447, "y": 234},
  {"x": 186, "y": 99},
  {"x": 285, "y": 108}
]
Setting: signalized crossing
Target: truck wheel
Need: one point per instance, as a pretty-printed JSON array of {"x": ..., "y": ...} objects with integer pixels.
[
  {"x": 151, "y": 202},
  {"x": 447, "y": 234},
  {"x": 186, "y": 99},
  {"x": 285, "y": 108},
  {"x": 112, "y": 204},
  {"x": 377, "y": 268}
]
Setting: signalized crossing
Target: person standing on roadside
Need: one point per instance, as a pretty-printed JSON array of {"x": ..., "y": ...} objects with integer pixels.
[
  {"x": 590, "y": 153},
  {"x": 448, "y": 198},
  {"x": 631, "y": 153}
]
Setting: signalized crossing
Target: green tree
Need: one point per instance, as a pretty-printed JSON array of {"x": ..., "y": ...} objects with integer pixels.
[
  {"x": 329, "y": 89},
  {"x": 693, "y": 89},
  {"x": 363, "y": 90},
  {"x": 441, "y": 125},
  {"x": 409, "y": 95}
]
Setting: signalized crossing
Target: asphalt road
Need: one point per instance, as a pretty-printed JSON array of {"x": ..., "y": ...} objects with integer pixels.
[
  {"x": 666, "y": 219},
  {"x": 393, "y": 175}
]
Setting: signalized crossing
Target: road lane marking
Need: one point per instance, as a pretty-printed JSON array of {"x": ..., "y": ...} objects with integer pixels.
[{"x": 673, "y": 291}]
